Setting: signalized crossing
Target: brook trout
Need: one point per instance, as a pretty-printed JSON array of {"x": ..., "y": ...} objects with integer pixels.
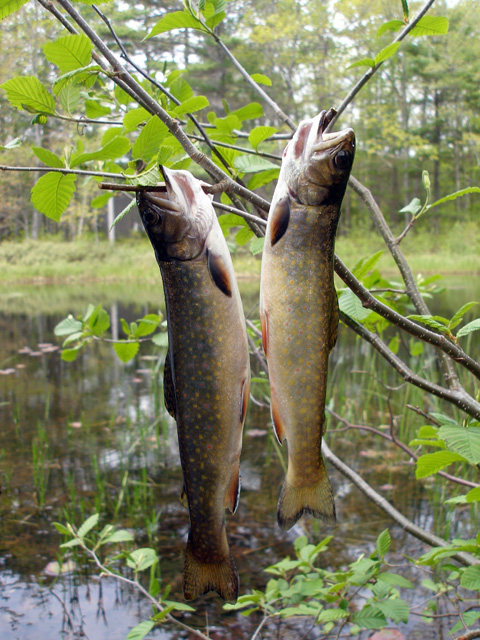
[
  {"x": 207, "y": 370},
  {"x": 299, "y": 307}
]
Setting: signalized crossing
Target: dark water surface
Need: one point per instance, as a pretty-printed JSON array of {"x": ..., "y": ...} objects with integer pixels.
[{"x": 93, "y": 436}]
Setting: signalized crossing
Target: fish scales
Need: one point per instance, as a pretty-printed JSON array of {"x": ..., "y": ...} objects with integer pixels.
[
  {"x": 207, "y": 371},
  {"x": 299, "y": 308}
]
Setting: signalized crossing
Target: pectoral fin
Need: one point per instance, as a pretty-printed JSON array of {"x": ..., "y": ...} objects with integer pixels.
[
  {"x": 233, "y": 492},
  {"x": 264, "y": 324},
  {"x": 168, "y": 387},
  {"x": 280, "y": 219},
  {"x": 277, "y": 422},
  {"x": 220, "y": 273}
]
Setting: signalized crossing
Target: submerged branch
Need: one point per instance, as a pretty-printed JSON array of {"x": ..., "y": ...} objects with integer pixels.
[{"x": 431, "y": 539}]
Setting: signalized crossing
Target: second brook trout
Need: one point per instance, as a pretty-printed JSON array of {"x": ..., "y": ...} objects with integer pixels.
[
  {"x": 207, "y": 370},
  {"x": 299, "y": 306}
]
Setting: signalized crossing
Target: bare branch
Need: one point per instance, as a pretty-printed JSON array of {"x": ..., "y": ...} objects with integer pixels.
[{"x": 78, "y": 172}]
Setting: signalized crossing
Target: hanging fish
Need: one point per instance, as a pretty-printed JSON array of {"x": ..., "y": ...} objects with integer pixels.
[
  {"x": 299, "y": 306},
  {"x": 207, "y": 370}
]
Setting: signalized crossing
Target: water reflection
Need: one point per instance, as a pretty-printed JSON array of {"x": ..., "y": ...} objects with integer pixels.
[{"x": 104, "y": 443}]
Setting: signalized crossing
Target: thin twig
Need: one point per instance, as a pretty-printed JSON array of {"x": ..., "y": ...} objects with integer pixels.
[{"x": 78, "y": 172}]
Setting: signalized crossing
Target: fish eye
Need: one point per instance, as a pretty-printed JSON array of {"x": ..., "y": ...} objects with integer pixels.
[
  {"x": 151, "y": 217},
  {"x": 343, "y": 159}
]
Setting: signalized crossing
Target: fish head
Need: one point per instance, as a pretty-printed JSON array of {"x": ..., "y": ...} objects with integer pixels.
[
  {"x": 316, "y": 165},
  {"x": 178, "y": 220}
]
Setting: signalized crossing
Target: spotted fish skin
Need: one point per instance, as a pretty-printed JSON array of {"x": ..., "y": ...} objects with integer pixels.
[
  {"x": 207, "y": 376},
  {"x": 299, "y": 307}
]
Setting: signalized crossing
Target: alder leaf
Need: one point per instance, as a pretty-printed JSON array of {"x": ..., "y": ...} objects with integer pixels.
[
  {"x": 69, "y": 52},
  {"x": 52, "y": 194},
  {"x": 29, "y": 94}
]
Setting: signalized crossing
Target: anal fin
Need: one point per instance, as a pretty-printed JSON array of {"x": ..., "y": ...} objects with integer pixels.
[
  {"x": 277, "y": 423},
  {"x": 232, "y": 495}
]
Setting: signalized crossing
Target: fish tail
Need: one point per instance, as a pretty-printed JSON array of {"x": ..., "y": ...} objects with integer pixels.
[
  {"x": 199, "y": 576},
  {"x": 316, "y": 499}
]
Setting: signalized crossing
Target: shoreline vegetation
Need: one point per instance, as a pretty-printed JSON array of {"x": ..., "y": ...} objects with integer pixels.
[{"x": 51, "y": 261}]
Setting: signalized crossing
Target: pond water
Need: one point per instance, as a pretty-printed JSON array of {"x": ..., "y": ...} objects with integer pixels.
[{"x": 92, "y": 436}]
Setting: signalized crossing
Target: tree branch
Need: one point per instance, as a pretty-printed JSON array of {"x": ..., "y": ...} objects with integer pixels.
[
  {"x": 436, "y": 339},
  {"x": 460, "y": 399}
]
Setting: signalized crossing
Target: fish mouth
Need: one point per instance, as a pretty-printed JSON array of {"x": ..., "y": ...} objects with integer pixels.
[
  {"x": 327, "y": 141},
  {"x": 162, "y": 202}
]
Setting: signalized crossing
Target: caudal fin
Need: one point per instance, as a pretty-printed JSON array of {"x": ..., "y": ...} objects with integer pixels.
[
  {"x": 316, "y": 499},
  {"x": 200, "y": 577}
]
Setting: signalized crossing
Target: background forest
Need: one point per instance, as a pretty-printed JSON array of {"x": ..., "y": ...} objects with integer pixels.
[{"x": 420, "y": 112}]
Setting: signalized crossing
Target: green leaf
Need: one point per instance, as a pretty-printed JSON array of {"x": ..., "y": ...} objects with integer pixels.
[
  {"x": 149, "y": 140},
  {"x": 386, "y": 53},
  {"x": 61, "y": 528},
  {"x": 243, "y": 236},
  {"x": 140, "y": 631},
  {"x": 88, "y": 525},
  {"x": 248, "y": 163},
  {"x": 52, "y": 193},
  {"x": 430, "y": 26},
  {"x": 351, "y": 305},
  {"x": 412, "y": 207},
  {"x": 454, "y": 196},
  {"x": 147, "y": 325},
  {"x": 101, "y": 200},
  {"x": 160, "y": 339},
  {"x": 395, "y": 609},
  {"x": 383, "y": 543},
  {"x": 69, "y": 52},
  {"x": 178, "y": 606},
  {"x": 48, "y": 158},
  {"x": 229, "y": 220},
  {"x": 370, "y": 618},
  {"x": 465, "y": 441},
  {"x": 391, "y": 25},
  {"x": 473, "y": 495},
  {"x": 10, "y": 6},
  {"x": 126, "y": 350},
  {"x": 468, "y": 618},
  {"x": 29, "y": 94},
  {"x": 13, "y": 144},
  {"x": 468, "y": 328},
  {"x": 364, "y": 265},
  {"x": 264, "y": 177},
  {"x": 332, "y": 615},
  {"x": 431, "y": 322},
  {"x": 471, "y": 578},
  {"x": 69, "y": 355},
  {"x": 176, "y": 20},
  {"x": 115, "y": 148},
  {"x": 122, "y": 535},
  {"x": 94, "y": 109},
  {"x": 458, "y": 317},
  {"x": 248, "y": 112},
  {"x": 256, "y": 246},
  {"x": 124, "y": 212},
  {"x": 431, "y": 463},
  {"x": 142, "y": 559},
  {"x": 67, "y": 326},
  {"x": 191, "y": 105},
  {"x": 395, "y": 580},
  {"x": 364, "y": 62},
  {"x": 86, "y": 75},
  {"x": 133, "y": 118},
  {"x": 99, "y": 321},
  {"x": 261, "y": 79},
  {"x": 259, "y": 134}
]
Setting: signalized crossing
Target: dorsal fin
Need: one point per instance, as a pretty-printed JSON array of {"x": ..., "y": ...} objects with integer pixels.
[
  {"x": 168, "y": 387},
  {"x": 220, "y": 273},
  {"x": 280, "y": 218}
]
